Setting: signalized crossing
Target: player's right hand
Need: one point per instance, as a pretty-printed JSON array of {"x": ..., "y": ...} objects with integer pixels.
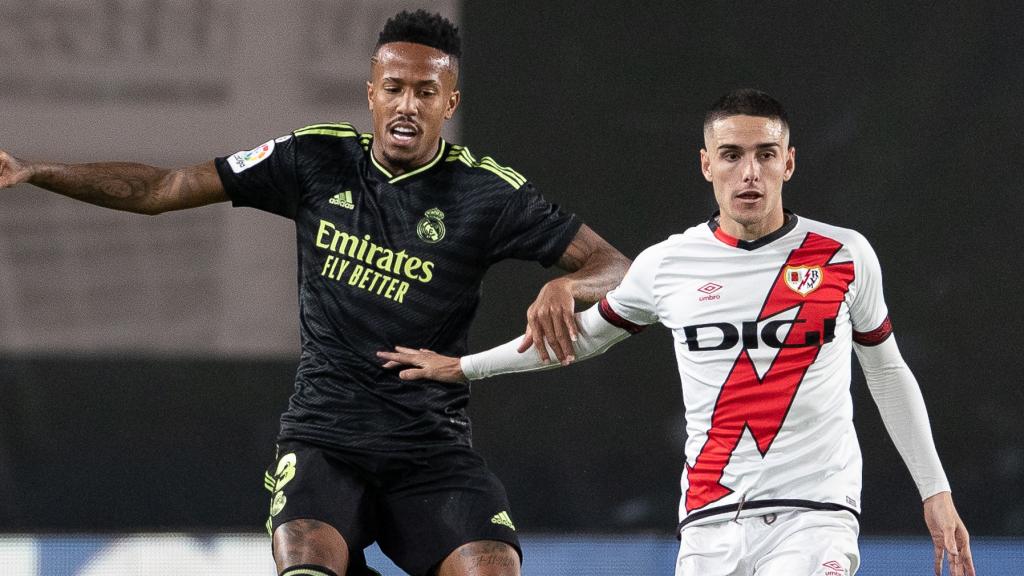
[
  {"x": 423, "y": 364},
  {"x": 12, "y": 170},
  {"x": 949, "y": 535},
  {"x": 550, "y": 323}
]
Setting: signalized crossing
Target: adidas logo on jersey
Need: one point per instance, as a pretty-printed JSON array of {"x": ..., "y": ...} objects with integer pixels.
[
  {"x": 343, "y": 199},
  {"x": 503, "y": 519}
]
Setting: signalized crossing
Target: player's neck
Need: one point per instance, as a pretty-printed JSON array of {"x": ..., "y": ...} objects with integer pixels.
[
  {"x": 754, "y": 230},
  {"x": 397, "y": 168}
]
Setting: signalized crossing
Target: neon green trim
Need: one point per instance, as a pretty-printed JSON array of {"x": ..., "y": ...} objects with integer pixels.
[
  {"x": 373, "y": 159},
  {"x": 462, "y": 154},
  {"x": 512, "y": 173},
  {"x": 326, "y": 132},
  {"x": 425, "y": 167},
  {"x": 303, "y": 572},
  {"x": 393, "y": 179},
  {"x": 337, "y": 125},
  {"x": 500, "y": 174}
]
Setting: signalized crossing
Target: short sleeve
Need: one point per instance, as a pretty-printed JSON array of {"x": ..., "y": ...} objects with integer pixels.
[
  {"x": 633, "y": 300},
  {"x": 531, "y": 228},
  {"x": 869, "y": 314},
  {"x": 264, "y": 177}
]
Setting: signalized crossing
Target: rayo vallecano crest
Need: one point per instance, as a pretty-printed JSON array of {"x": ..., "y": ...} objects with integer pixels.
[
  {"x": 431, "y": 227},
  {"x": 803, "y": 279}
]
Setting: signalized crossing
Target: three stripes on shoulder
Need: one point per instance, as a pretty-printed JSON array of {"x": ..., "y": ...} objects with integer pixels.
[{"x": 462, "y": 154}]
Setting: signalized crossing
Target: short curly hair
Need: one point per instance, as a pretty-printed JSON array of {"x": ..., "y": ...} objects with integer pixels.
[{"x": 422, "y": 27}]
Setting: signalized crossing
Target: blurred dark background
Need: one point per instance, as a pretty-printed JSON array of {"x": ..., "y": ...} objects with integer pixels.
[{"x": 907, "y": 120}]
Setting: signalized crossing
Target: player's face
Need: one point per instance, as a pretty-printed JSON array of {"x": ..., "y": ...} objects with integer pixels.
[
  {"x": 746, "y": 159},
  {"x": 411, "y": 94}
]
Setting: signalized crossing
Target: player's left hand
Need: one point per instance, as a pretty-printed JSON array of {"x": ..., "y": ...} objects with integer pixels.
[
  {"x": 423, "y": 364},
  {"x": 949, "y": 535},
  {"x": 550, "y": 319},
  {"x": 12, "y": 170}
]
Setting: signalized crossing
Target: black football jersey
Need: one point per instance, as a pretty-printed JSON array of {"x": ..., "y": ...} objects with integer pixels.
[{"x": 388, "y": 260}]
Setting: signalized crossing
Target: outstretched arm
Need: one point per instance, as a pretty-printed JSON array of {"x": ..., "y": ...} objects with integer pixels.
[
  {"x": 120, "y": 185},
  {"x": 595, "y": 268},
  {"x": 901, "y": 405},
  {"x": 594, "y": 336}
]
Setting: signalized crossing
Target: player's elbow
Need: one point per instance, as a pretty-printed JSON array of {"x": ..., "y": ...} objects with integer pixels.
[
  {"x": 147, "y": 209},
  {"x": 163, "y": 195}
]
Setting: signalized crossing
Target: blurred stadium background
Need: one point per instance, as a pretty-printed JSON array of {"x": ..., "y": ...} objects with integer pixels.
[{"x": 144, "y": 361}]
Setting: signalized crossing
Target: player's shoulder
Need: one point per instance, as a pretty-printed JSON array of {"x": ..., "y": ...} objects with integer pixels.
[
  {"x": 328, "y": 130},
  {"x": 837, "y": 233},
  {"x": 331, "y": 135},
  {"x": 845, "y": 236},
  {"x": 484, "y": 171},
  {"x": 676, "y": 244}
]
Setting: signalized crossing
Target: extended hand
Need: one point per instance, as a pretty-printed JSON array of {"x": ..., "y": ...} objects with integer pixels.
[
  {"x": 425, "y": 364},
  {"x": 949, "y": 535},
  {"x": 12, "y": 170},
  {"x": 550, "y": 319}
]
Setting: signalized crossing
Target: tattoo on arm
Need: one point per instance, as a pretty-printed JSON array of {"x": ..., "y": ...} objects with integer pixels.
[
  {"x": 595, "y": 266},
  {"x": 132, "y": 187},
  {"x": 488, "y": 553}
]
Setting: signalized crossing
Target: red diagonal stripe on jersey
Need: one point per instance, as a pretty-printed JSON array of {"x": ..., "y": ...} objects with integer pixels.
[{"x": 761, "y": 404}]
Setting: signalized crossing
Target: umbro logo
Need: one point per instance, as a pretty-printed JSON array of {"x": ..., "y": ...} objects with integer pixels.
[
  {"x": 502, "y": 518},
  {"x": 834, "y": 568},
  {"x": 709, "y": 290},
  {"x": 343, "y": 199}
]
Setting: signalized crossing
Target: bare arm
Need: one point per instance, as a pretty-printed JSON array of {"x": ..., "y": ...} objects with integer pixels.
[
  {"x": 120, "y": 185},
  {"x": 594, "y": 267}
]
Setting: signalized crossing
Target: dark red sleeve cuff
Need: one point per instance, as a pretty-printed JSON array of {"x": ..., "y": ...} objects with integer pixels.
[
  {"x": 874, "y": 337},
  {"x": 614, "y": 319}
]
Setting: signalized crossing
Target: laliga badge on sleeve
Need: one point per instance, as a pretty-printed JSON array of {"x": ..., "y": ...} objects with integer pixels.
[{"x": 242, "y": 161}]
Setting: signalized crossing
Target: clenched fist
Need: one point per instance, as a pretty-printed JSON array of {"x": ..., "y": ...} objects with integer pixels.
[{"x": 12, "y": 170}]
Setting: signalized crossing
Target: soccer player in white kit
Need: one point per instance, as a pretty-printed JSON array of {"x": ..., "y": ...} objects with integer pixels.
[{"x": 765, "y": 308}]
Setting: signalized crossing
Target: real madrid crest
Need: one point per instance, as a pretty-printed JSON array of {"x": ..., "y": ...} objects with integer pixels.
[
  {"x": 431, "y": 227},
  {"x": 803, "y": 279}
]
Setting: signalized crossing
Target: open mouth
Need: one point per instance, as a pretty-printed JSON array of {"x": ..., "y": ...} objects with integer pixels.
[
  {"x": 403, "y": 132},
  {"x": 749, "y": 195}
]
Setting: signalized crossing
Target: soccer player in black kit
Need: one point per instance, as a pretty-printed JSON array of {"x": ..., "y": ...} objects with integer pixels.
[{"x": 395, "y": 230}]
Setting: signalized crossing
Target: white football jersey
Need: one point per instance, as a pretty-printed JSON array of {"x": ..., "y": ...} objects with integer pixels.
[{"x": 763, "y": 335}]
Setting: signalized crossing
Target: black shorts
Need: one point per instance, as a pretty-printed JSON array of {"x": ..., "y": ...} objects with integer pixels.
[{"x": 419, "y": 506}]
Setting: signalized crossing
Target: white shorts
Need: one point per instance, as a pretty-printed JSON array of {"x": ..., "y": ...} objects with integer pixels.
[{"x": 795, "y": 543}]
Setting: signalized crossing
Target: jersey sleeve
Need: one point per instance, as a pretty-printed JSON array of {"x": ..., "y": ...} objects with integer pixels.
[
  {"x": 265, "y": 177},
  {"x": 531, "y": 228},
  {"x": 631, "y": 305},
  {"x": 868, "y": 312}
]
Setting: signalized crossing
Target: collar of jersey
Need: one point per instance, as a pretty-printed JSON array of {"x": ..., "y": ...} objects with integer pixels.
[
  {"x": 393, "y": 179},
  {"x": 791, "y": 220}
]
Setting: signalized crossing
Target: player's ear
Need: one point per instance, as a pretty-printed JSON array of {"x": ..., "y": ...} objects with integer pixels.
[
  {"x": 705, "y": 164},
  {"x": 369, "y": 94},
  {"x": 453, "y": 103},
  {"x": 790, "y": 164}
]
